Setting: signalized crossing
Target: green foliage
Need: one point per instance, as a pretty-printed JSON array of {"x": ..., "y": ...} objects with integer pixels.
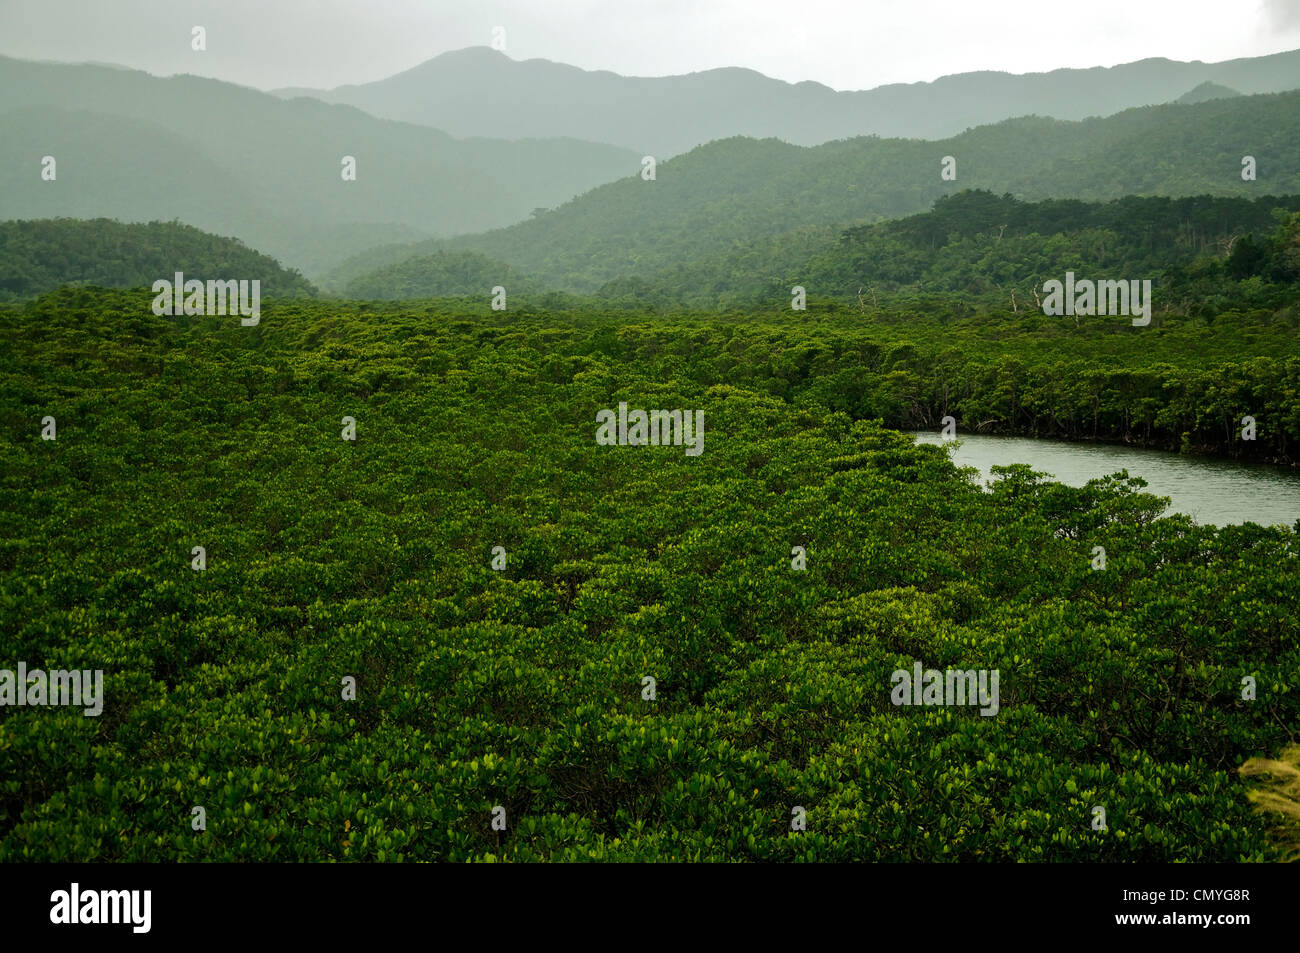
[
  {"x": 973, "y": 248},
  {"x": 440, "y": 275},
  {"x": 732, "y": 199},
  {"x": 522, "y": 688},
  {"x": 977, "y": 248},
  {"x": 40, "y": 256}
]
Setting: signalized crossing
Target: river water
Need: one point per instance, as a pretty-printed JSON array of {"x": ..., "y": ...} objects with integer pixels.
[{"x": 1212, "y": 492}]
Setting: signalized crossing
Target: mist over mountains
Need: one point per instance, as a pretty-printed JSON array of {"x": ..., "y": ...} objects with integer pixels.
[
  {"x": 536, "y": 164},
  {"x": 737, "y": 194},
  {"x": 240, "y": 162},
  {"x": 481, "y": 92}
]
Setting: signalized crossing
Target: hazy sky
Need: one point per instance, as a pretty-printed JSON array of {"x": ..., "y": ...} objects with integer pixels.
[{"x": 846, "y": 44}]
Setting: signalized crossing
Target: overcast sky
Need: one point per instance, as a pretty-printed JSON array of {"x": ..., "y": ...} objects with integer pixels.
[{"x": 846, "y": 44}]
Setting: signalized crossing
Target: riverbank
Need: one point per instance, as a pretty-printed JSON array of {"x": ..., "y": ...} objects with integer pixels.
[{"x": 1211, "y": 490}]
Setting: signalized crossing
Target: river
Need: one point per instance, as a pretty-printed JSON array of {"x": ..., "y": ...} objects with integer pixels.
[{"x": 1212, "y": 492}]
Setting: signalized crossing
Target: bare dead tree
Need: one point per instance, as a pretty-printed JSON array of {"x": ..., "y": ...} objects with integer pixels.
[{"x": 1228, "y": 242}]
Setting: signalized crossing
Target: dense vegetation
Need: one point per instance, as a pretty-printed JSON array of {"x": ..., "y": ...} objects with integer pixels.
[
  {"x": 739, "y": 191},
  {"x": 440, "y": 275},
  {"x": 40, "y": 256},
  {"x": 523, "y": 687},
  {"x": 1203, "y": 255},
  {"x": 1179, "y": 384}
]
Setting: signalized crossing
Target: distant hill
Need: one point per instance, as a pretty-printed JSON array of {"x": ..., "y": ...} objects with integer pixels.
[
  {"x": 482, "y": 92},
  {"x": 980, "y": 245},
  {"x": 744, "y": 192},
  {"x": 233, "y": 160},
  {"x": 440, "y": 275},
  {"x": 41, "y": 256},
  {"x": 1207, "y": 91},
  {"x": 972, "y": 246}
]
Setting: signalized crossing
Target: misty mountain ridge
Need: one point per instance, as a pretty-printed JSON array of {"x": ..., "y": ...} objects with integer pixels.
[
  {"x": 750, "y": 192},
  {"x": 479, "y": 91},
  {"x": 234, "y": 160}
]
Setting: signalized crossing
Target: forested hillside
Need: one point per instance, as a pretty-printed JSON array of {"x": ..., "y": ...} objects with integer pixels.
[
  {"x": 741, "y": 191},
  {"x": 442, "y": 274},
  {"x": 233, "y": 160},
  {"x": 40, "y": 256},
  {"x": 524, "y": 687},
  {"x": 1203, "y": 255}
]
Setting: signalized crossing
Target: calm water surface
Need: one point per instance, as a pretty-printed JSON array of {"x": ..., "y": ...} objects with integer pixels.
[{"x": 1214, "y": 492}]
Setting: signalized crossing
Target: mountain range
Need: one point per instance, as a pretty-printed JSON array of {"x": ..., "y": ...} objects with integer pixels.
[
  {"x": 751, "y": 199},
  {"x": 482, "y": 92},
  {"x": 536, "y": 164},
  {"x": 236, "y": 161}
]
